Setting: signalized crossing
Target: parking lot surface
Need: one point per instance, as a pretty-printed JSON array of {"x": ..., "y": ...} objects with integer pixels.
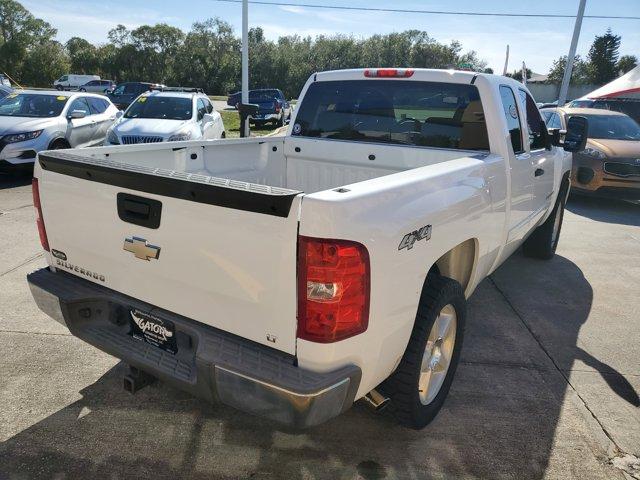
[{"x": 547, "y": 388}]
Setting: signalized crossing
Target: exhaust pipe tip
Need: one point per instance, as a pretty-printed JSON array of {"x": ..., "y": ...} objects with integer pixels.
[{"x": 376, "y": 400}]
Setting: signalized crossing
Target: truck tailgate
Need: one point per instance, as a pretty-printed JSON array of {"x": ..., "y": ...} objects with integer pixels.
[{"x": 223, "y": 252}]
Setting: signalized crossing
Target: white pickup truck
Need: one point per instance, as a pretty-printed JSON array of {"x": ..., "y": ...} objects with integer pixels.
[{"x": 290, "y": 276}]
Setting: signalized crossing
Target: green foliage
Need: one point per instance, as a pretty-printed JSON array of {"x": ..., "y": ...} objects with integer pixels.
[
  {"x": 626, "y": 64},
  {"x": 21, "y": 34},
  {"x": 603, "y": 57},
  {"x": 602, "y": 64},
  {"x": 579, "y": 75}
]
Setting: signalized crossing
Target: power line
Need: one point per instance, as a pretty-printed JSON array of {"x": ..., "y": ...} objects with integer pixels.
[{"x": 430, "y": 12}]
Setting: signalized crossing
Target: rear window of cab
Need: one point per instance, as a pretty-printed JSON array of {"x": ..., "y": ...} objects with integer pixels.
[{"x": 402, "y": 112}]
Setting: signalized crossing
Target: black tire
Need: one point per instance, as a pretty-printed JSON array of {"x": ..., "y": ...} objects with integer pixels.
[
  {"x": 58, "y": 145},
  {"x": 83, "y": 90},
  {"x": 59, "y": 88},
  {"x": 402, "y": 386},
  {"x": 543, "y": 241}
]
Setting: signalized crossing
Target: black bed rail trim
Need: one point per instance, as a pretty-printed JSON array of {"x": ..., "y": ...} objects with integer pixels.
[{"x": 198, "y": 188}]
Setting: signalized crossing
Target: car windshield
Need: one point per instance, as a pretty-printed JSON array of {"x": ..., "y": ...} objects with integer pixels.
[
  {"x": 167, "y": 108},
  {"x": 613, "y": 127},
  {"x": 429, "y": 114},
  {"x": 32, "y": 105},
  {"x": 263, "y": 96}
]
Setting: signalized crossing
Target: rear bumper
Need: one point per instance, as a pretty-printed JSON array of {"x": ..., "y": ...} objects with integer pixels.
[{"x": 210, "y": 364}]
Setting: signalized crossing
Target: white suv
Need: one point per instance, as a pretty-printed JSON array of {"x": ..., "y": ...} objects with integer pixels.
[{"x": 169, "y": 115}]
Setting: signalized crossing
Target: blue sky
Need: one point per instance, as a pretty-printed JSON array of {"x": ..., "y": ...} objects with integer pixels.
[{"x": 536, "y": 41}]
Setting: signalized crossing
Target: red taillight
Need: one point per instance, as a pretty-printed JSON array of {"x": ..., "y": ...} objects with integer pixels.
[
  {"x": 389, "y": 73},
  {"x": 333, "y": 289},
  {"x": 39, "y": 219}
]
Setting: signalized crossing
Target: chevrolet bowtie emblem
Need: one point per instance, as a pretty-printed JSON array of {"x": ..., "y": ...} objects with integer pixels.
[{"x": 140, "y": 248}]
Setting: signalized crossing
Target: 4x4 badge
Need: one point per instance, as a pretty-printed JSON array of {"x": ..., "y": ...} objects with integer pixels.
[
  {"x": 141, "y": 249},
  {"x": 410, "y": 238}
]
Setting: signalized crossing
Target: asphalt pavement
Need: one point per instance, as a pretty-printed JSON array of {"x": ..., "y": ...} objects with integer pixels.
[{"x": 547, "y": 388}]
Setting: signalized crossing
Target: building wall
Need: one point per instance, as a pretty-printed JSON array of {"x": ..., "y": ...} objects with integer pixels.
[{"x": 547, "y": 93}]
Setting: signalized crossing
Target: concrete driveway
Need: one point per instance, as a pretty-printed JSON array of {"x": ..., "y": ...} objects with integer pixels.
[{"x": 548, "y": 386}]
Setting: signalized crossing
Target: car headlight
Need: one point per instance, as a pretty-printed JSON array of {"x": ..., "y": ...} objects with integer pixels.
[
  {"x": 112, "y": 138},
  {"x": 595, "y": 153},
  {"x": 180, "y": 137},
  {"x": 21, "y": 137}
]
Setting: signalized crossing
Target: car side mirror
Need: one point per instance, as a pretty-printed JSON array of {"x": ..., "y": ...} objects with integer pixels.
[
  {"x": 207, "y": 118},
  {"x": 548, "y": 142},
  {"x": 109, "y": 91},
  {"x": 577, "y": 131},
  {"x": 554, "y": 135},
  {"x": 77, "y": 114},
  {"x": 119, "y": 114}
]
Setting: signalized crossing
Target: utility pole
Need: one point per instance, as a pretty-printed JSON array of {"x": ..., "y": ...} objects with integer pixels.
[
  {"x": 244, "y": 127},
  {"x": 562, "y": 97},
  {"x": 506, "y": 62}
]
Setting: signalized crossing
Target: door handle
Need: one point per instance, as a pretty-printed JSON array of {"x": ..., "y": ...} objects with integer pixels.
[{"x": 539, "y": 172}]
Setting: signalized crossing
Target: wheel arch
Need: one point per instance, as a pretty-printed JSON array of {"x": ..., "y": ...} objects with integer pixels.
[
  {"x": 459, "y": 264},
  {"x": 59, "y": 140}
]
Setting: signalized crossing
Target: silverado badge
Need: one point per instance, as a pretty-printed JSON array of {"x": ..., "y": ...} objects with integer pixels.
[{"x": 141, "y": 249}]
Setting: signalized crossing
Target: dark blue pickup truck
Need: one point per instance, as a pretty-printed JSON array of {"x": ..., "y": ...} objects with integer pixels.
[{"x": 273, "y": 107}]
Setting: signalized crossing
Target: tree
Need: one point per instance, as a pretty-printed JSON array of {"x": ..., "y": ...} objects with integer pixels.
[
  {"x": 579, "y": 73},
  {"x": 603, "y": 57},
  {"x": 20, "y": 32},
  {"x": 45, "y": 62},
  {"x": 626, "y": 64},
  {"x": 517, "y": 74}
]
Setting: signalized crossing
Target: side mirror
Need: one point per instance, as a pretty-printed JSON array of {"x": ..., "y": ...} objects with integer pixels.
[
  {"x": 554, "y": 135},
  {"x": 207, "y": 118},
  {"x": 108, "y": 91},
  {"x": 577, "y": 131},
  {"x": 545, "y": 133},
  {"x": 77, "y": 114},
  {"x": 119, "y": 114}
]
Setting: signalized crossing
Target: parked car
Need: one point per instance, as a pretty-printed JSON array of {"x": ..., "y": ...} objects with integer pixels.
[
  {"x": 628, "y": 106},
  {"x": 98, "y": 86},
  {"x": 273, "y": 106},
  {"x": 290, "y": 276},
  {"x": 167, "y": 116},
  {"x": 73, "y": 82},
  {"x": 610, "y": 164},
  {"x": 4, "y": 91},
  {"x": 127, "y": 92},
  {"x": 4, "y": 81},
  {"x": 234, "y": 99},
  {"x": 32, "y": 121}
]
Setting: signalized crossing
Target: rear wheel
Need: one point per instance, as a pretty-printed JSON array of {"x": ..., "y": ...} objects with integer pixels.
[
  {"x": 419, "y": 386},
  {"x": 83, "y": 89},
  {"x": 542, "y": 243}
]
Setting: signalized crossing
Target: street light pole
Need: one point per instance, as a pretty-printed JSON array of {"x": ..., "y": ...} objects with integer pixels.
[
  {"x": 562, "y": 97},
  {"x": 245, "y": 62}
]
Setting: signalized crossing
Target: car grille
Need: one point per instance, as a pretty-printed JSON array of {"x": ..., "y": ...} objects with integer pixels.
[
  {"x": 134, "y": 139},
  {"x": 622, "y": 169}
]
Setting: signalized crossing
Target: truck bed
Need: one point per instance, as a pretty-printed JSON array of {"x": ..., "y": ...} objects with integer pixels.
[{"x": 272, "y": 162}]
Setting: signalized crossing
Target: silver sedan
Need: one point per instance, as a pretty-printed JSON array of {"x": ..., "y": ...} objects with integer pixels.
[{"x": 32, "y": 121}]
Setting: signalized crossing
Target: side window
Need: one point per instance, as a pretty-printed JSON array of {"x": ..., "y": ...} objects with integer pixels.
[
  {"x": 513, "y": 119},
  {"x": 209, "y": 106},
  {"x": 130, "y": 89},
  {"x": 554, "y": 121},
  {"x": 537, "y": 138},
  {"x": 80, "y": 104},
  {"x": 97, "y": 105},
  {"x": 202, "y": 109}
]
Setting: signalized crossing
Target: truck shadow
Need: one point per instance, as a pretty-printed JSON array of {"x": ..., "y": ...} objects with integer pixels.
[
  {"x": 605, "y": 209},
  {"x": 500, "y": 420}
]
